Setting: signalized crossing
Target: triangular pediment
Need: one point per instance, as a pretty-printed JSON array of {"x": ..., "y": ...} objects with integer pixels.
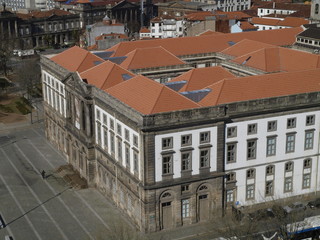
[
  {"x": 176, "y": 5},
  {"x": 124, "y": 5},
  {"x": 74, "y": 81}
]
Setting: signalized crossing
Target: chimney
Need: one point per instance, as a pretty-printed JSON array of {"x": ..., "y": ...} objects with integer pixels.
[
  {"x": 113, "y": 21},
  {"x": 274, "y": 5}
]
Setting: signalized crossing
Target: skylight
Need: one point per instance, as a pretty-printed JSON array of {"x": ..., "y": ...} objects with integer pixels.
[
  {"x": 176, "y": 86},
  {"x": 126, "y": 76},
  {"x": 196, "y": 95}
]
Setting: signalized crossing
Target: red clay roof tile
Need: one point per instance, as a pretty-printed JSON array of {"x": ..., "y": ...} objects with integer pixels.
[
  {"x": 200, "y": 78},
  {"x": 76, "y": 59},
  {"x": 150, "y": 97}
]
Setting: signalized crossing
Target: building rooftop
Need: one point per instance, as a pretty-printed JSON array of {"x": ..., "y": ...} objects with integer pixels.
[
  {"x": 106, "y": 75},
  {"x": 262, "y": 86},
  {"x": 209, "y": 43},
  {"x": 76, "y": 59},
  {"x": 198, "y": 78},
  {"x": 149, "y": 97},
  {"x": 150, "y": 57}
]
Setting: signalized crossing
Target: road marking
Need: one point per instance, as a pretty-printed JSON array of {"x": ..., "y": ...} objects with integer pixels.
[
  {"x": 92, "y": 210},
  {"x": 50, "y": 144},
  {"x": 82, "y": 199},
  {"x": 33, "y": 193},
  {"x": 52, "y": 190},
  {"x": 21, "y": 209}
]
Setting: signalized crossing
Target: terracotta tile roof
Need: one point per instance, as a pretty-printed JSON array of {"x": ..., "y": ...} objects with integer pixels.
[
  {"x": 247, "y": 26},
  {"x": 106, "y": 75},
  {"x": 92, "y": 47},
  {"x": 209, "y": 43},
  {"x": 43, "y": 14},
  {"x": 293, "y": 22},
  {"x": 198, "y": 16},
  {"x": 265, "y": 21},
  {"x": 210, "y": 32},
  {"x": 200, "y": 78},
  {"x": 150, "y": 57},
  {"x": 245, "y": 46},
  {"x": 231, "y": 15},
  {"x": 144, "y": 30},
  {"x": 288, "y": 21},
  {"x": 262, "y": 86},
  {"x": 76, "y": 59},
  {"x": 150, "y": 97},
  {"x": 279, "y": 59}
]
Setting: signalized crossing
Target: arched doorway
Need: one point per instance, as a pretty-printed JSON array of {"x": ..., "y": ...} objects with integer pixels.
[
  {"x": 203, "y": 209},
  {"x": 166, "y": 210}
]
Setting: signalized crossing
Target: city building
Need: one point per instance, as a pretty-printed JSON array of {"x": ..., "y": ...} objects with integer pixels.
[
  {"x": 106, "y": 26},
  {"x": 237, "y": 126},
  {"x": 17, "y": 5},
  {"x": 39, "y": 28},
  {"x": 264, "y": 23}
]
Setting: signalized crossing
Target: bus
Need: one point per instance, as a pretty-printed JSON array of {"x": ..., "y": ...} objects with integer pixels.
[{"x": 308, "y": 229}]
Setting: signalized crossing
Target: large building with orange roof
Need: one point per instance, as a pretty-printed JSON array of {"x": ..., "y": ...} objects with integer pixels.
[{"x": 238, "y": 128}]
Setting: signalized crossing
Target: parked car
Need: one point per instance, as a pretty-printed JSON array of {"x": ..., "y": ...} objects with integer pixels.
[
  {"x": 294, "y": 207},
  {"x": 314, "y": 204}
]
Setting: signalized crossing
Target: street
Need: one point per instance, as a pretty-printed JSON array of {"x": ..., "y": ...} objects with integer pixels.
[{"x": 36, "y": 208}]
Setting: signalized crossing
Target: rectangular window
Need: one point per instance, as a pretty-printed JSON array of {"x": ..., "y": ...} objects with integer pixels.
[
  {"x": 185, "y": 208},
  {"x": 112, "y": 145},
  {"x": 135, "y": 140},
  {"x": 204, "y": 137},
  {"x": 307, "y": 163},
  {"x": 185, "y": 161},
  {"x": 310, "y": 120},
  {"x": 127, "y": 135},
  {"x": 290, "y": 143},
  {"x": 167, "y": 164},
  {"x": 105, "y": 138},
  {"x": 204, "y": 158},
  {"x": 111, "y": 124},
  {"x": 250, "y": 173},
  {"x": 251, "y": 149},
  {"x": 231, "y": 152},
  {"x": 135, "y": 162},
  {"x": 271, "y": 146},
  {"x": 119, "y": 129},
  {"x": 308, "y": 142},
  {"x": 119, "y": 149},
  {"x": 291, "y": 122},
  {"x": 230, "y": 177},
  {"x": 231, "y": 132},
  {"x": 288, "y": 184},
  {"x": 105, "y": 119},
  {"x": 186, "y": 140},
  {"x": 167, "y": 143},
  {"x": 252, "y": 128},
  {"x": 250, "y": 192},
  {"x": 99, "y": 133},
  {"x": 127, "y": 155},
  {"x": 269, "y": 188},
  {"x": 229, "y": 196},
  {"x": 185, "y": 188},
  {"x": 98, "y": 114},
  {"x": 288, "y": 166},
  {"x": 270, "y": 170},
  {"x": 306, "y": 180}
]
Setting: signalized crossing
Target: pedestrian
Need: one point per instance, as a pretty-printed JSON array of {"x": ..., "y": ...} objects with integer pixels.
[{"x": 43, "y": 174}]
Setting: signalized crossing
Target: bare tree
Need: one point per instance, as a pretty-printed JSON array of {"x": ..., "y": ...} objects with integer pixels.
[{"x": 5, "y": 55}]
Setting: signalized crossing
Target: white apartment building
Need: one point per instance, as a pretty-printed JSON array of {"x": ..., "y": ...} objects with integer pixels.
[
  {"x": 233, "y": 5},
  {"x": 168, "y": 27},
  {"x": 274, "y": 157}
]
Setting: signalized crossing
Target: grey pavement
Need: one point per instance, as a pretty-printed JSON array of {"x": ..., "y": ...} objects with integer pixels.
[{"x": 36, "y": 208}]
